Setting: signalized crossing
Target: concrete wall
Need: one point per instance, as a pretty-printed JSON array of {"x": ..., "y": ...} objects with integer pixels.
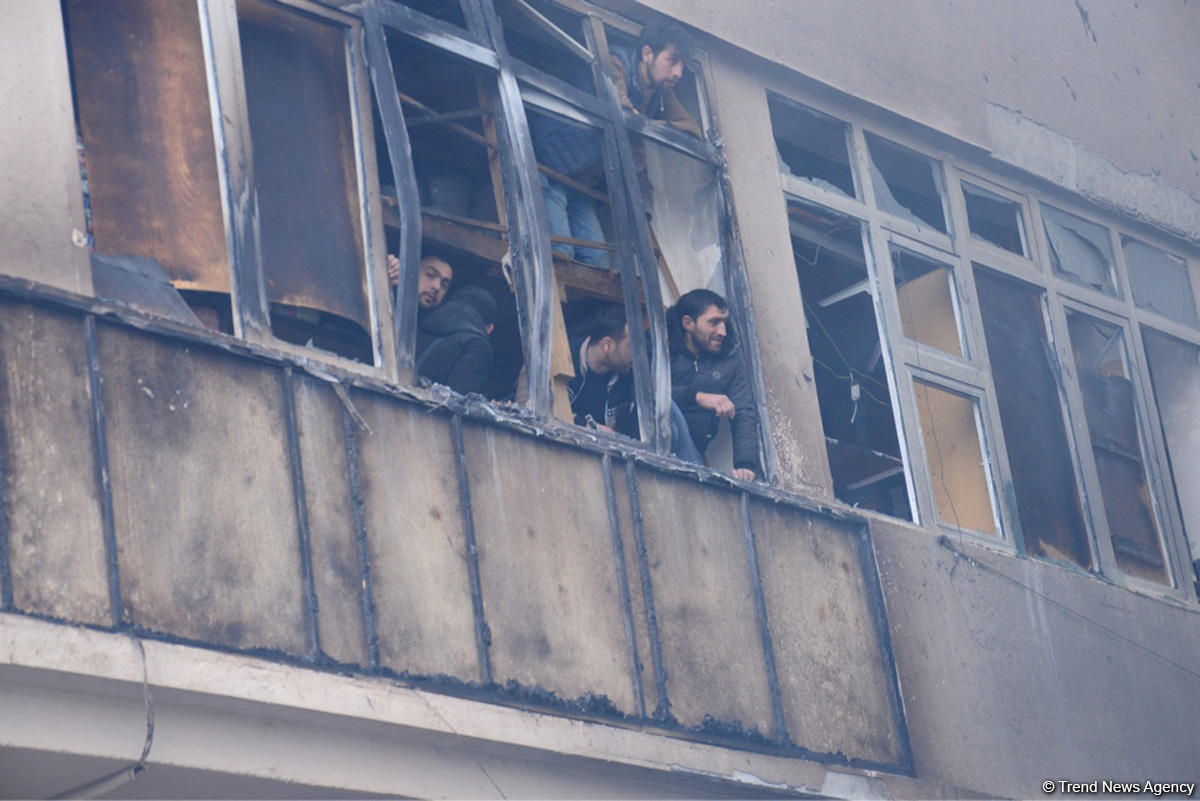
[
  {"x": 41, "y": 196},
  {"x": 1015, "y": 671},
  {"x": 1098, "y": 97}
]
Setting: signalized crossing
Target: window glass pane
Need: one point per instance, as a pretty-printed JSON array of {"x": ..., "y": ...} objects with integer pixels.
[
  {"x": 305, "y": 172},
  {"x": 907, "y": 184},
  {"x": 996, "y": 219},
  {"x": 811, "y": 146},
  {"x": 928, "y": 301},
  {"x": 852, "y": 385},
  {"x": 1175, "y": 374},
  {"x": 1160, "y": 281},
  {"x": 448, "y": 105},
  {"x": 950, "y": 428},
  {"x": 1039, "y": 453},
  {"x": 1080, "y": 251},
  {"x": 1109, "y": 404},
  {"x": 147, "y": 148}
]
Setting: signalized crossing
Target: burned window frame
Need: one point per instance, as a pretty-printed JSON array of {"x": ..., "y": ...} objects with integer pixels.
[
  {"x": 971, "y": 375},
  {"x": 533, "y": 270}
]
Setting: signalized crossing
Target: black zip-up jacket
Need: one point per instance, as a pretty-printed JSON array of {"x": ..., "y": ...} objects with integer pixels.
[
  {"x": 607, "y": 399},
  {"x": 721, "y": 373},
  {"x": 453, "y": 347}
]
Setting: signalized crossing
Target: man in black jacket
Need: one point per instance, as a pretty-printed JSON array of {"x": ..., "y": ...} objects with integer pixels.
[
  {"x": 601, "y": 393},
  {"x": 452, "y": 340},
  {"x": 709, "y": 380}
]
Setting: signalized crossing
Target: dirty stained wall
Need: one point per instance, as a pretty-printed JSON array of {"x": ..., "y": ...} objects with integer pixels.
[{"x": 1098, "y": 97}]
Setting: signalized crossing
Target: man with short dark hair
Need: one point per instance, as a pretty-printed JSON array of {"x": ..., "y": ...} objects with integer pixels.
[
  {"x": 433, "y": 280},
  {"x": 709, "y": 380},
  {"x": 601, "y": 393},
  {"x": 645, "y": 77},
  {"x": 452, "y": 340}
]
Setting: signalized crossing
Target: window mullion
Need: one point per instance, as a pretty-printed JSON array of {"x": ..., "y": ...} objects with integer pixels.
[
  {"x": 404, "y": 310},
  {"x": 231, "y": 128},
  {"x": 660, "y": 365}
]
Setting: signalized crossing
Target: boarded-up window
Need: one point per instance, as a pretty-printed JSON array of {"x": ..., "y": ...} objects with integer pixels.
[
  {"x": 1039, "y": 453},
  {"x": 142, "y": 104},
  {"x": 1080, "y": 251},
  {"x": 1175, "y": 374},
  {"x": 1160, "y": 281},
  {"x": 811, "y": 145},
  {"x": 995, "y": 219},
  {"x": 1109, "y": 404},
  {"x": 928, "y": 301},
  {"x": 303, "y": 135},
  {"x": 907, "y": 184},
  {"x": 951, "y": 430}
]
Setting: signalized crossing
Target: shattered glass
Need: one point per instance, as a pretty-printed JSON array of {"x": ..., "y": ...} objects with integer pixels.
[
  {"x": 1080, "y": 251},
  {"x": 1160, "y": 281},
  {"x": 907, "y": 184},
  {"x": 995, "y": 219}
]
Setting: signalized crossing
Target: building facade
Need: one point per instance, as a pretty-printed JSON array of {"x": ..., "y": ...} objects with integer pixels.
[{"x": 244, "y": 552}]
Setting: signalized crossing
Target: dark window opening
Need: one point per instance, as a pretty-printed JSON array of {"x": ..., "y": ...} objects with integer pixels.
[
  {"x": 811, "y": 146},
  {"x": 548, "y": 38},
  {"x": 907, "y": 184},
  {"x": 1035, "y": 435},
  {"x": 928, "y": 301},
  {"x": 449, "y": 112},
  {"x": 1160, "y": 281},
  {"x": 1110, "y": 407},
  {"x": 445, "y": 10},
  {"x": 1175, "y": 376},
  {"x": 1080, "y": 251},
  {"x": 995, "y": 219},
  {"x": 151, "y": 191},
  {"x": 852, "y": 386}
]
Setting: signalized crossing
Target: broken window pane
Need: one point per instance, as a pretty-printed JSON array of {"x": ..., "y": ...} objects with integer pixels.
[
  {"x": 1039, "y": 452},
  {"x": 305, "y": 172},
  {"x": 445, "y": 10},
  {"x": 995, "y": 218},
  {"x": 952, "y": 434},
  {"x": 1175, "y": 375},
  {"x": 147, "y": 142},
  {"x": 1109, "y": 404},
  {"x": 448, "y": 112},
  {"x": 852, "y": 384},
  {"x": 907, "y": 184},
  {"x": 685, "y": 207},
  {"x": 811, "y": 145},
  {"x": 549, "y": 38},
  {"x": 1160, "y": 281},
  {"x": 928, "y": 301},
  {"x": 1080, "y": 251}
]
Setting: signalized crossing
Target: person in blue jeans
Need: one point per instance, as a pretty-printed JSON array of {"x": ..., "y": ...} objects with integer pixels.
[{"x": 645, "y": 77}]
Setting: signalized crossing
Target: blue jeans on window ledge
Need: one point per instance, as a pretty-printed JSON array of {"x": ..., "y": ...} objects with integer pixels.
[
  {"x": 682, "y": 444},
  {"x": 573, "y": 214}
]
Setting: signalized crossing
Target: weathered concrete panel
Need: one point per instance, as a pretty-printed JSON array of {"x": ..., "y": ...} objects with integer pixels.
[
  {"x": 206, "y": 531},
  {"x": 712, "y": 650},
  {"x": 41, "y": 195},
  {"x": 418, "y": 551},
  {"x": 550, "y": 590},
  {"x": 828, "y": 653},
  {"x": 1037, "y": 672},
  {"x": 336, "y": 573},
  {"x": 637, "y": 596},
  {"x": 56, "y": 541}
]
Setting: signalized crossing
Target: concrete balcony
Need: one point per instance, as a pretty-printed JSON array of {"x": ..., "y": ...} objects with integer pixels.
[{"x": 215, "y": 498}]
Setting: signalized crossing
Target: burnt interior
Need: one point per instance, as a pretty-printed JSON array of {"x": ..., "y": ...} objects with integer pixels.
[{"x": 852, "y": 385}]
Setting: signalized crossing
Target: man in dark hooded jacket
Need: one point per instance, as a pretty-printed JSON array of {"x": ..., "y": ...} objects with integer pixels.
[
  {"x": 452, "y": 340},
  {"x": 709, "y": 380}
]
